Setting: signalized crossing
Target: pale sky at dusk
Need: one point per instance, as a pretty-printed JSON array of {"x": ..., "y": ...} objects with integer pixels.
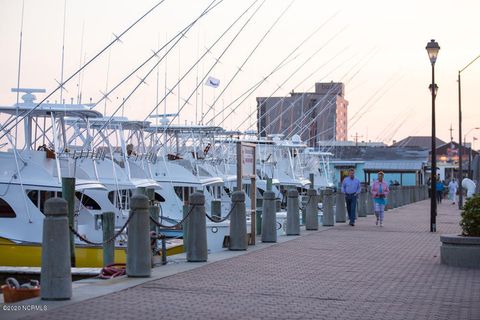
[{"x": 378, "y": 50}]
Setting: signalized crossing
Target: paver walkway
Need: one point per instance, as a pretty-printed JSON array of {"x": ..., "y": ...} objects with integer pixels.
[{"x": 361, "y": 272}]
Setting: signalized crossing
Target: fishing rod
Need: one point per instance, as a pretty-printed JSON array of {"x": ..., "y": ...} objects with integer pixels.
[
  {"x": 391, "y": 130},
  {"x": 201, "y": 58},
  {"x": 5, "y": 127},
  {"x": 283, "y": 98},
  {"x": 400, "y": 124},
  {"x": 178, "y": 37},
  {"x": 255, "y": 86},
  {"x": 296, "y": 86},
  {"x": 356, "y": 113},
  {"x": 293, "y": 103},
  {"x": 217, "y": 61},
  {"x": 18, "y": 73},
  {"x": 251, "y": 89},
  {"x": 286, "y": 58},
  {"x": 246, "y": 60},
  {"x": 306, "y": 127},
  {"x": 375, "y": 97}
]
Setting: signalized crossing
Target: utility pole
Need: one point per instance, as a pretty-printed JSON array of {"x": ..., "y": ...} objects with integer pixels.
[{"x": 356, "y": 136}]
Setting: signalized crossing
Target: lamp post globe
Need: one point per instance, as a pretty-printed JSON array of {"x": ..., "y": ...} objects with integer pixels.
[{"x": 432, "y": 50}]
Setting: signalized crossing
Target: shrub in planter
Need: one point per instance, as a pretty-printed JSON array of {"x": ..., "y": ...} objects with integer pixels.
[{"x": 470, "y": 222}]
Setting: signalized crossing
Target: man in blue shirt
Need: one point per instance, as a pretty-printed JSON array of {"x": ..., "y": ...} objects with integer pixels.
[{"x": 351, "y": 189}]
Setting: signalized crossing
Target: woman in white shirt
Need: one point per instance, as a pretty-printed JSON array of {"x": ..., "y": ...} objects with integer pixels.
[{"x": 452, "y": 190}]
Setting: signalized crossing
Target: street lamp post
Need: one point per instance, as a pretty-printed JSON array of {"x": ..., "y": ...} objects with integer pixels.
[
  {"x": 432, "y": 49},
  {"x": 460, "y": 169},
  {"x": 469, "y": 174}
]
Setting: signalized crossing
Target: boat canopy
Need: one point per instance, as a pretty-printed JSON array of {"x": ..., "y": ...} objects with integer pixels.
[{"x": 46, "y": 110}]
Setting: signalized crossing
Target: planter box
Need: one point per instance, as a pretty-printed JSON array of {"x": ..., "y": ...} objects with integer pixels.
[
  {"x": 460, "y": 251},
  {"x": 14, "y": 295}
]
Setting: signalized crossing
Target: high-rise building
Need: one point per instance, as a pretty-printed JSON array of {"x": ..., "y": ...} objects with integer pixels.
[{"x": 314, "y": 116}]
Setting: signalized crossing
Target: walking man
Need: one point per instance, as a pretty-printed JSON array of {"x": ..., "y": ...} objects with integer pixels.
[{"x": 351, "y": 189}]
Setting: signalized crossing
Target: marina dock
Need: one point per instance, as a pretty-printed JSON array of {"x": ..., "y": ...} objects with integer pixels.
[{"x": 340, "y": 272}]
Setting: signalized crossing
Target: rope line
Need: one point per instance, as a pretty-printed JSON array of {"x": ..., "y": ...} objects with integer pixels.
[
  {"x": 217, "y": 219},
  {"x": 159, "y": 224},
  {"x": 82, "y": 238}
]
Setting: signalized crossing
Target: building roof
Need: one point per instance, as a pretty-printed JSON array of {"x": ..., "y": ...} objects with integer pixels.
[
  {"x": 424, "y": 142},
  {"x": 365, "y": 153},
  {"x": 393, "y": 166}
]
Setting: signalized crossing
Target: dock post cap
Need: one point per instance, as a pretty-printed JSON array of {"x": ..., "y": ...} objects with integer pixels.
[
  {"x": 269, "y": 195},
  {"x": 238, "y": 196},
  {"x": 197, "y": 198},
  {"x": 293, "y": 193},
  {"x": 139, "y": 201},
  {"x": 56, "y": 207}
]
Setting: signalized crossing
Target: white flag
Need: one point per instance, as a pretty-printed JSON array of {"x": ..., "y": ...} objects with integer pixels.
[{"x": 212, "y": 82}]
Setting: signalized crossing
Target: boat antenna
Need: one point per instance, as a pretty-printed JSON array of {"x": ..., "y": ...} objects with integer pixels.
[
  {"x": 63, "y": 52},
  {"x": 79, "y": 84},
  {"x": 106, "y": 81},
  {"x": 18, "y": 72}
]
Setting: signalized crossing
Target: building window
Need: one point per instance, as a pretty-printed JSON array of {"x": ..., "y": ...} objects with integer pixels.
[{"x": 5, "y": 210}]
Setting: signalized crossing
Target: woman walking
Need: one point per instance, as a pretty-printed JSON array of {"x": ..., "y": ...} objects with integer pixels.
[
  {"x": 379, "y": 192},
  {"x": 452, "y": 190}
]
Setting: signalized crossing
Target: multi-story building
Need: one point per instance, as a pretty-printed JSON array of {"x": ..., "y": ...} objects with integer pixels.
[{"x": 314, "y": 116}]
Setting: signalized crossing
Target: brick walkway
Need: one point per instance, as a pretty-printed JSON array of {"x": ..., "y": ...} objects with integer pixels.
[{"x": 361, "y": 272}]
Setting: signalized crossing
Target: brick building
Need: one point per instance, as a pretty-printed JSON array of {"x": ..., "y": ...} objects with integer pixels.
[{"x": 314, "y": 116}]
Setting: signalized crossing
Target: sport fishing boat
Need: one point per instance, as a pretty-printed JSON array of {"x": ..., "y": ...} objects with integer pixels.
[{"x": 32, "y": 174}]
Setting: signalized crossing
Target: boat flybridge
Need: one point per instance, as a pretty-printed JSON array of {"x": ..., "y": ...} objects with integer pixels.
[
  {"x": 119, "y": 165},
  {"x": 318, "y": 163},
  {"x": 276, "y": 159},
  {"x": 183, "y": 153},
  {"x": 32, "y": 166}
]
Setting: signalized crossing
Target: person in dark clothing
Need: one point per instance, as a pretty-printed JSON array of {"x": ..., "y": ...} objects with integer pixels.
[{"x": 439, "y": 188}]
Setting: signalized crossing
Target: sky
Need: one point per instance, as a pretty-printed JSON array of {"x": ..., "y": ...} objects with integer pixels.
[{"x": 377, "y": 48}]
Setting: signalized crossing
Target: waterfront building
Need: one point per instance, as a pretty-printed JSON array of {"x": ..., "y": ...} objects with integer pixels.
[{"x": 314, "y": 116}]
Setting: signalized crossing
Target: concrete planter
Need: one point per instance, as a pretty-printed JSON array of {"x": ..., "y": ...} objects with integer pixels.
[{"x": 460, "y": 251}]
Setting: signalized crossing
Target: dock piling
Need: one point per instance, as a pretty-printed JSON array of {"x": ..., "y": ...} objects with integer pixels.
[
  {"x": 197, "y": 229},
  {"x": 340, "y": 207},
  {"x": 328, "y": 219},
  {"x": 293, "y": 217},
  {"x": 238, "y": 222},
  {"x": 55, "y": 277},
  {"x": 108, "y": 227},
  {"x": 269, "y": 222},
  {"x": 311, "y": 219},
  {"x": 139, "y": 254}
]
